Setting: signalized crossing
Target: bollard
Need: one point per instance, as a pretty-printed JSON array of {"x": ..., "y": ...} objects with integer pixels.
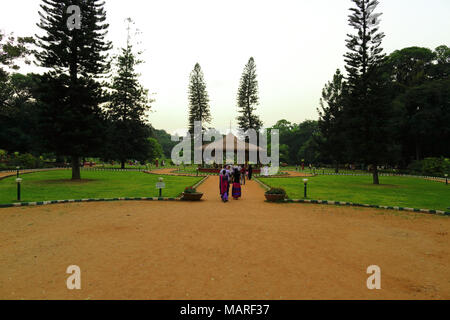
[
  {"x": 18, "y": 180},
  {"x": 306, "y": 186}
]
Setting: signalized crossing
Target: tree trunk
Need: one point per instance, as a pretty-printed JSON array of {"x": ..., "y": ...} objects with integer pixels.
[
  {"x": 122, "y": 164},
  {"x": 376, "y": 179},
  {"x": 418, "y": 153},
  {"x": 336, "y": 170},
  {"x": 76, "y": 172}
]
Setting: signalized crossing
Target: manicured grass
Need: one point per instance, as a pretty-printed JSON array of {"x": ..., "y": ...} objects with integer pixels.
[
  {"x": 393, "y": 191},
  {"x": 56, "y": 185}
]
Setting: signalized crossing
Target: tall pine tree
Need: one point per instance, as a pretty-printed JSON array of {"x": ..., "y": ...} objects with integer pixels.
[
  {"x": 331, "y": 139},
  {"x": 78, "y": 57},
  {"x": 366, "y": 107},
  {"x": 248, "y": 99},
  {"x": 128, "y": 104},
  {"x": 199, "y": 109}
]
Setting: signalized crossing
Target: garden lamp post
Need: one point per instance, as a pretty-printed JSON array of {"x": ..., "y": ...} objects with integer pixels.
[
  {"x": 18, "y": 180},
  {"x": 305, "y": 181},
  {"x": 18, "y": 168},
  {"x": 161, "y": 182}
]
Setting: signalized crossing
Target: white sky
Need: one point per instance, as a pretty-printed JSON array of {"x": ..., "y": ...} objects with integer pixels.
[{"x": 297, "y": 46}]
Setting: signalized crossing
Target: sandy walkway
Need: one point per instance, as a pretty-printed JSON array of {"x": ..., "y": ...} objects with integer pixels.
[{"x": 245, "y": 249}]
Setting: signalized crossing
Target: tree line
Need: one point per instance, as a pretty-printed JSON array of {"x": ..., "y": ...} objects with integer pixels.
[
  {"x": 88, "y": 103},
  {"x": 384, "y": 110},
  {"x": 387, "y": 109}
]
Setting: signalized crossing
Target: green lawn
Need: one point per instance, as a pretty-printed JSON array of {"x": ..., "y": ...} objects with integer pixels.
[
  {"x": 393, "y": 191},
  {"x": 56, "y": 185}
]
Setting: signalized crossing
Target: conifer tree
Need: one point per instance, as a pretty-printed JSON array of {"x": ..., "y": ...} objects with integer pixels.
[
  {"x": 366, "y": 107},
  {"x": 331, "y": 139},
  {"x": 77, "y": 57},
  {"x": 248, "y": 99},
  {"x": 199, "y": 109},
  {"x": 128, "y": 104}
]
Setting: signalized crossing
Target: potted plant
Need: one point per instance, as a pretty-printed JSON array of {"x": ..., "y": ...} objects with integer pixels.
[
  {"x": 275, "y": 194},
  {"x": 191, "y": 194}
]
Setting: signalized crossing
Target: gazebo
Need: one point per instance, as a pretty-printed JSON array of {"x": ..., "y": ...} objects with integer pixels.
[{"x": 237, "y": 146}]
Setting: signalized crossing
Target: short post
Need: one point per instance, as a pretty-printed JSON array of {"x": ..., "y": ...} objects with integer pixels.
[
  {"x": 160, "y": 185},
  {"x": 18, "y": 168},
  {"x": 305, "y": 181},
  {"x": 18, "y": 180},
  {"x": 446, "y": 179}
]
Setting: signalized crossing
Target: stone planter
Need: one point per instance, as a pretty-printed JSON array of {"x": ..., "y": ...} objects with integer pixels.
[
  {"x": 274, "y": 197},
  {"x": 192, "y": 196}
]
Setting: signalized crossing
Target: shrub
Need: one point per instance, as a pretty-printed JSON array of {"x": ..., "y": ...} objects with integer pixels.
[
  {"x": 190, "y": 190},
  {"x": 276, "y": 191},
  {"x": 24, "y": 161},
  {"x": 3, "y": 154},
  {"x": 430, "y": 167}
]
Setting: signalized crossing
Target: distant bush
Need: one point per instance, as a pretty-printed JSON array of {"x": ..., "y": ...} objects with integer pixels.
[
  {"x": 430, "y": 167},
  {"x": 24, "y": 161}
]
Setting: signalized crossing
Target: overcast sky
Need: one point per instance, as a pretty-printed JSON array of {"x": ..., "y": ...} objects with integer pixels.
[{"x": 297, "y": 46}]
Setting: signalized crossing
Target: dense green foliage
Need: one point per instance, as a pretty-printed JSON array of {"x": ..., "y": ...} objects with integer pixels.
[
  {"x": 126, "y": 110},
  {"x": 332, "y": 139},
  {"x": 387, "y": 111},
  {"x": 165, "y": 140},
  {"x": 71, "y": 99},
  {"x": 366, "y": 110},
  {"x": 298, "y": 142},
  {"x": 433, "y": 167}
]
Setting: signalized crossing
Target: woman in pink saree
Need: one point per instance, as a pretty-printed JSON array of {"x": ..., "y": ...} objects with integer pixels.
[{"x": 224, "y": 184}]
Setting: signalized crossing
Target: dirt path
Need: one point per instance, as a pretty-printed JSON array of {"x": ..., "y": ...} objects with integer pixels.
[
  {"x": 245, "y": 249},
  {"x": 299, "y": 174},
  {"x": 170, "y": 171},
  {"x": 252, "y": 194}
]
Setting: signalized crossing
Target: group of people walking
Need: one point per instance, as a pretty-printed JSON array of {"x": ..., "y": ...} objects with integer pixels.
[{"x": 233, "y": 176}]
